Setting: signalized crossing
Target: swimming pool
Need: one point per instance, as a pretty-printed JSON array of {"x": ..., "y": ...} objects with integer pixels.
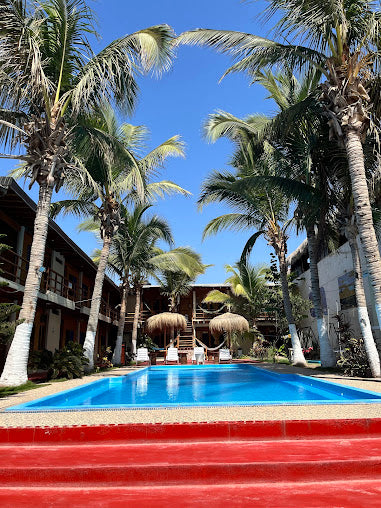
[{"x": 206, "y": 385}]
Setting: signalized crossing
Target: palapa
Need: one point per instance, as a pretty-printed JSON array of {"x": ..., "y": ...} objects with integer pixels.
[
  {"x": 166, "y": 322},
  {"x": 228, "y": 323}
]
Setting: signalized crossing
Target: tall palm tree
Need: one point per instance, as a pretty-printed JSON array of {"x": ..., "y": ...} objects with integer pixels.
[
  {"x": 256, "y": 209},
  {"x": 300, "y": 139},
  {"x": 49, "y": 76},
  {"x": 341, "y": 39},
  {"x": 249, "y": 290},
  {"x": 134, "y": 256},
  {"x": 114, "y": 176}
]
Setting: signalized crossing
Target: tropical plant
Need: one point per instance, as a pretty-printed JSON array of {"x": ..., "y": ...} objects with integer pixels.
[
  {"x": 178, "y": 282},
  {"x": 305, "y": 174},
  {"x": 249, "y": 290},
  {"x": 115, "y": 173},
  {"x": 49, "y": 78},
  {"x": 40, "y": 360},
  {"x": 69, "y": 362},
  {"x": 256, "y": 209},
  {"x": 341, "y": 40}
]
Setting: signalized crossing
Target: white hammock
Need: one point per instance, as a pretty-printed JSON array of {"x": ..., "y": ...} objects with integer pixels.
[{"x": 211, "y": 348}]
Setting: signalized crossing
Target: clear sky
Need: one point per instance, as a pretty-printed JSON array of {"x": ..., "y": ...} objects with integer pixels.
[{"x": 179, "y": 103}]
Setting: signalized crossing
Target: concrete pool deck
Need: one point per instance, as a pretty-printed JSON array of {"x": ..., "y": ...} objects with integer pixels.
[{"x": 194, "y": 414}]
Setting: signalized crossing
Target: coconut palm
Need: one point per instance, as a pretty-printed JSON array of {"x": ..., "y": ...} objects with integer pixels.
[
  {"x": 341, "y": 40},
  {"x": 134, "y": 256},
  {"x": 267, "y": 214},
  {"x": 112, "y": 177},
  {"x": 177, "y": 283},
  {"x": 300, "y": 139},
  {"x": 249, "y": 290},
  {"x": 49, "y": 76}
]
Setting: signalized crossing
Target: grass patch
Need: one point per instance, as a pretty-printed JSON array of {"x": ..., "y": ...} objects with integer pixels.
[{"x": 5, "y": 391}]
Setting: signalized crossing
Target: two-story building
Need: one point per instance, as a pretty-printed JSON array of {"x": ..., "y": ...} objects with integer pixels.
[{"x": 67, "y": 281}]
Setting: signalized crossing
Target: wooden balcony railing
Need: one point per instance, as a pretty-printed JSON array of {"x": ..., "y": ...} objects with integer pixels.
[
  {"x": 143, "y": 316},
  {"x": 15, "y": 268}
]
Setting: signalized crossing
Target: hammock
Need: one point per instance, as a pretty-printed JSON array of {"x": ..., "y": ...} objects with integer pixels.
[
  {"x": 211, "y": 311},
  {"x": 210, "y": 348}
]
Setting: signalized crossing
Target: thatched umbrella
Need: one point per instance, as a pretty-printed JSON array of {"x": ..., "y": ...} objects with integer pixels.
[
  {"x": 228, "y": 323},
  {"x": 166, "y": 322}
]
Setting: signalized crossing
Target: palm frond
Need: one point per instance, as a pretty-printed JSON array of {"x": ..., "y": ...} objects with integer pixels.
[{"x": 110, "y": 76}]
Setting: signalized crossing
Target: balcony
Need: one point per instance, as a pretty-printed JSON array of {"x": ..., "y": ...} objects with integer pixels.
[{"x": 14, "y": 268}]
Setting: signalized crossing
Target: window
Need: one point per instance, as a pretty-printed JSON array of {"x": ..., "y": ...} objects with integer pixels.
[{"x": 347, "y": 290}]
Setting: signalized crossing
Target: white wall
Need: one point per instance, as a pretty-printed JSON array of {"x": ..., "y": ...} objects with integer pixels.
[{"x": 330, "y": 269}]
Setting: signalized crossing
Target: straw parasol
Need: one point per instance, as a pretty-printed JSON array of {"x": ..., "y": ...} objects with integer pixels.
[
  {"x": 166, "y": 321},
  {"x": 228, "y": 323}
]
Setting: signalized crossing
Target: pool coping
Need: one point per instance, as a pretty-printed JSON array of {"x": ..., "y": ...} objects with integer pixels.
[
  {"x": 183, "y": 415},
  {"x": 26, "y": 408}
]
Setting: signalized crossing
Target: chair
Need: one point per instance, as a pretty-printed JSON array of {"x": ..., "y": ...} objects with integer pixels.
[
  {"x": 142, "y": 355},
  {"x": 224, "y": 356},
  {"x": 172, "y": 355},
  {"x": 198, "y": 355}
]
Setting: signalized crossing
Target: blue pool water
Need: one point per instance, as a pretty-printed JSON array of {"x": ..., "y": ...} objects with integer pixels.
[{"x": 207, "y": 385}]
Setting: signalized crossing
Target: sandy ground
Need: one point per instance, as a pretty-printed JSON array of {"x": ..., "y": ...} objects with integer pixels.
[{"x": 204, "y": 414}]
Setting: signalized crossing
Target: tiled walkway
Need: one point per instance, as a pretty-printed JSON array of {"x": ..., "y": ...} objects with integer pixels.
[{"x": 188, "y": 414}]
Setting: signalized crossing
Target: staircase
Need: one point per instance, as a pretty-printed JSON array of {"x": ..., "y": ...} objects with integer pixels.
[
  {"x": 322, "y": 463},
  {"x": 186, "y": 340}
]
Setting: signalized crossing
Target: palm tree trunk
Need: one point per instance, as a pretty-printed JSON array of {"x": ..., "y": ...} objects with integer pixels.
[
  {"x": 363, "y": 213},
  {"x": 92, "y": 324},
  {"x": 295, "y": 342},
  {"x": 136, "y": 319},
  {"x": 327, "y": 355},
  {"x": 362, "y": 311},
  {"x": 15, "y": 370},
  {"x": 116, "y": 357}
]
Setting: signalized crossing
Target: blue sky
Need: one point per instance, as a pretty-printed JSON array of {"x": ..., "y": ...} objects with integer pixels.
[{"x": 178, "y": 103}]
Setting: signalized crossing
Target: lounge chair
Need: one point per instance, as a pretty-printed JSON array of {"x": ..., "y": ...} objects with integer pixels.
[
  {"x": 142, "y": 355},
  {"x": 224, "y": 356},
  {"x": 198, "y": 355},
  {"x": 172, "y": 355}
]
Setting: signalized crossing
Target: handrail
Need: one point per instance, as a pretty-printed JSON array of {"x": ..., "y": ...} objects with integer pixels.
[{"x": 16, "y": 270}]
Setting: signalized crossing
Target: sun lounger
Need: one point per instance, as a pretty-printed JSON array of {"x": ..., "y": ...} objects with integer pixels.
[
  {"x": 172, "y": 355},
  {"x": 225, "y": 356},
  {"x": 198, "y": 355},
  {"x": 142, "y": 355}
]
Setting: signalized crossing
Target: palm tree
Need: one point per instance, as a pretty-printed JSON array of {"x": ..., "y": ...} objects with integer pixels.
[
  {"x": 112, "y": 177},
  {"x": 301, "y": 142},
  {"x": 256, "y": 209},
  {"x": 134, "y": 256},
  {"x": 341, "y": 40},
  {"x": 249, "y": 290},
  {"x": 49, "y": 76},
  {"x": 177, "y": 283}
]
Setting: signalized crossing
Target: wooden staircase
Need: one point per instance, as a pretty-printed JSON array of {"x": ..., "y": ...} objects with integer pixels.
[{"x": 186, "y": 339}]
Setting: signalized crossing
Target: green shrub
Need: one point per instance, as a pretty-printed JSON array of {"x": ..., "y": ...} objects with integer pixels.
[
  {"x": 69, "y": 361},
  {"x": 353, "y": 360},
  {"x": 146, "y": 341},
  {"x": 40, "y": 360},
  {"x": 104, "y": 359}
]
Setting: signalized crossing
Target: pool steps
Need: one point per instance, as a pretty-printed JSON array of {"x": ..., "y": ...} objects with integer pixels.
[{"x": 271, "y": 463}]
